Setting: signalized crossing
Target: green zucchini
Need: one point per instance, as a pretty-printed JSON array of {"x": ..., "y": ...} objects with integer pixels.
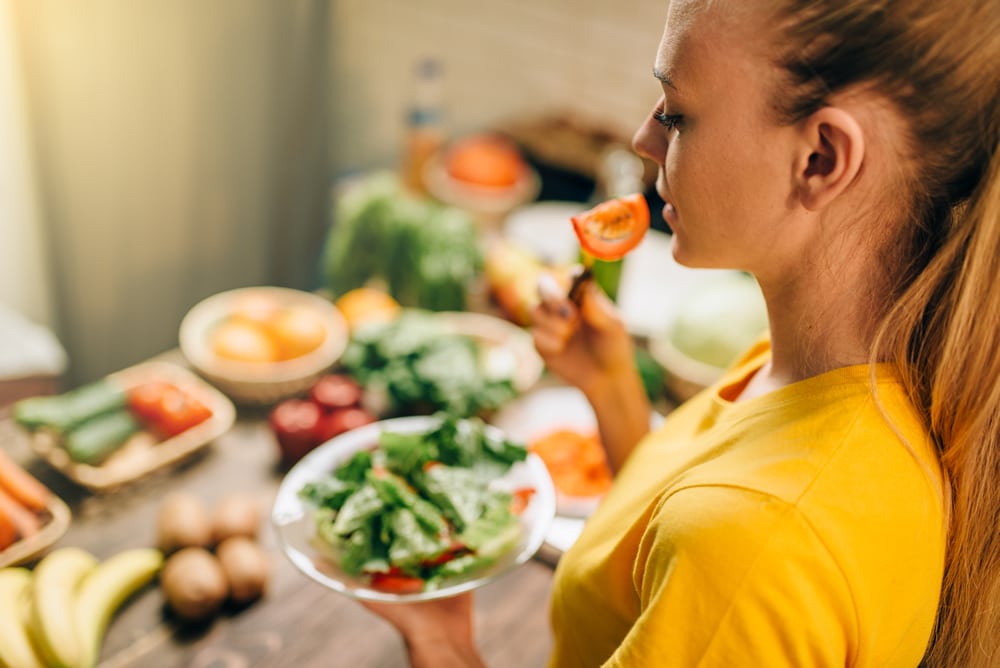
[
  {"x": 67, "y": 411},
  {"x": 95, "y": 440}
]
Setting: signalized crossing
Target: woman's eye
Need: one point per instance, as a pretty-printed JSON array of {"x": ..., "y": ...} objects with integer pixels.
[{"x": 669, "y": 121}]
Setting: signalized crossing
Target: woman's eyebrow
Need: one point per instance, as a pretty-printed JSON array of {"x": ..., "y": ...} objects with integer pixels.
[{"x": 664, "y": 77}]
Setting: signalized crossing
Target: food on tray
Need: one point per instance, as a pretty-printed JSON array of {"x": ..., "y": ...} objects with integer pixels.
[
  {"x": 427, "y": 254},
  {"x": 418, "y": 508},
  {"x": 165, "y": 408},
  {"x": 415, "y": 365},
  {"x": 576, "y": 461},
  {"x": 332, "y": 407},
  {"x": 261, "y": 329},
  {"x": 23, "y": 503},
  {"x": 612, "y": 228},
  {"x": 95, "y": 420},
  {"x": 485, "y": 160}
]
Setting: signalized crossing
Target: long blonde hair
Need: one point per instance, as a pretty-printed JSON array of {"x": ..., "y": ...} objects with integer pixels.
[{"x": 938, "y": 63}]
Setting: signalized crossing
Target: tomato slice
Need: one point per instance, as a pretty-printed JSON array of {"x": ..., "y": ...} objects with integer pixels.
[
  {"x": 614, "y": 227},
  {"x": 521, "y": 499},
  {"x": 396, "y": 583}
]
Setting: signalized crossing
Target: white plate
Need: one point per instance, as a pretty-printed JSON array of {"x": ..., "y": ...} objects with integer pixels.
[
  {"x": 294, "y": 523},
  {"x": 541, "y": 412}
]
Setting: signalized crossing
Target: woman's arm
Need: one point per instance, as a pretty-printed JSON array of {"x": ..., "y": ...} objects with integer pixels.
[
  {"x": 589, "y": 347},
  {"x": 438, "y": 633}
]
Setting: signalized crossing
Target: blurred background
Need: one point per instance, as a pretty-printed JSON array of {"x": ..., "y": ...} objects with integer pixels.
[{"x": 154, "y": 153}]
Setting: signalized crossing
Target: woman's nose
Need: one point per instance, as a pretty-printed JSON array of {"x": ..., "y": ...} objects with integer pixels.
[{"x": 650, "y": 141}]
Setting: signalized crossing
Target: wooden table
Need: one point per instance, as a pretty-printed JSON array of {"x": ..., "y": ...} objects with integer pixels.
[{"x": 298, "y": 623}]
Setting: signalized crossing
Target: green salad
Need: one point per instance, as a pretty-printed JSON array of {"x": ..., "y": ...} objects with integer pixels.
[
  {"x": 418, "y": 508},
  {"x": 416, "y": 366}
]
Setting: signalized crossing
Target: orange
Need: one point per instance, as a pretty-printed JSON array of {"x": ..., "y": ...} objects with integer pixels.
[
  {"x": 485, "y": 160},
  {"x": 296, "y": 331},
  {"x": 367, "y": 305},
  {"x": 237, "y": 339}
]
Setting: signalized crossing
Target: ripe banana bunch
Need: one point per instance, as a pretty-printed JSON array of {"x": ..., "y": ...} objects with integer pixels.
[{"x": 57, "y": 614}]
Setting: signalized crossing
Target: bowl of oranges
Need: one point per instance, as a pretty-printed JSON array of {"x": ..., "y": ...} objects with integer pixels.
[{"x": 263, "y": 344}]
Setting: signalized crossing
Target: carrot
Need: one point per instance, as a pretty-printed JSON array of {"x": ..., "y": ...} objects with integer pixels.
[
  {"x": 26, "y": 522},
  {"x": 8, "y": 532},
  {"x": 22, "y": 485}
]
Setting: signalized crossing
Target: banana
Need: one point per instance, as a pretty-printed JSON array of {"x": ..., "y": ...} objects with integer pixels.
[
  {"x": 104, "y": 590},
  {"x": 16, "y": 650},
  {"x": 53, "y": 619}
]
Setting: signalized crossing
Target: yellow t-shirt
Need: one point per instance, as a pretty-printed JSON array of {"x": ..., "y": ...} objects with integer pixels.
[{"x": 790, "y": 529}]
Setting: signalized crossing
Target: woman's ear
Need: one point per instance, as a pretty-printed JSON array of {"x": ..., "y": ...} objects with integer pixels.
[{"x": 832, "y": 151}]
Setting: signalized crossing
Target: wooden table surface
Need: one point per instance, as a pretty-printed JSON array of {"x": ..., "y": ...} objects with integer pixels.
[{"x": 298, "y": 622}]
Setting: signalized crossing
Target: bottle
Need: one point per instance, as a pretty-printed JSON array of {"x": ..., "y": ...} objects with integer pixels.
[
  {"x": 424, "y": 124},
  {"x": 619, "y": 174}
]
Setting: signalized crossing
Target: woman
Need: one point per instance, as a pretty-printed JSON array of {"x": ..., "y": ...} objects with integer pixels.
[{"x": 835, "y": 498}]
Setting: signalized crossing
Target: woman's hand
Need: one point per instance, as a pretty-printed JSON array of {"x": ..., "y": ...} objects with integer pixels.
[
  {"x": 589, "y": 347},
  {"x": 585, "y": 345},
  {"x": 437, "y": 633}
]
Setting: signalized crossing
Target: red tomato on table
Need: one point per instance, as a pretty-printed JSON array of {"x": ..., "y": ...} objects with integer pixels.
[
  {"x": 168, "y": 409},
  {"x": 613, "y": 228}
]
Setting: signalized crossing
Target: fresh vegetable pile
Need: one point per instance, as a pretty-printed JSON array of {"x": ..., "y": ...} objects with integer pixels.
[
  {"x": 24, "y": 503},
  {"x": 96, "y": 419},
  {"x": 418, "y": 508},
  {"x": 417, "y": 367},
  {"x": 426, "y": 253},
  {"x": 332, "y": 407}
]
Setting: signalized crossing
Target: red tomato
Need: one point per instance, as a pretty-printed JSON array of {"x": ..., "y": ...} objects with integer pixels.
[
  {"x": 522, "y": 497},
  {"x": 344, "y": 419},
  {"x": 334, "y": 391},
  {"x": 166, "y": 408},
  {"x": 613, "y": 228},
  {"x": 394, "y": 582},
  {"x": 144, "y": 400},
  {"x": 296, "y": 424}
]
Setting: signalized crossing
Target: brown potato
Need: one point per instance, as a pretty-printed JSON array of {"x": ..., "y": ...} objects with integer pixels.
[
  {"x": 235, "y": 515},
  {"x": 194, "y": 583},
  {"x": 246, "y": 567},
  {"x": 183, "y": 521}
]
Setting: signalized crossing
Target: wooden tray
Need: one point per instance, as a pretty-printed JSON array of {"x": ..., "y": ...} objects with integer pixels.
[
  {"x": 143, "y": 454},
  {"x": 27, "y": 549}
]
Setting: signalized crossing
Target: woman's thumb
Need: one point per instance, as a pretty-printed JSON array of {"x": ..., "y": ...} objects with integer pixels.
[{"x": 596, "y": 307}]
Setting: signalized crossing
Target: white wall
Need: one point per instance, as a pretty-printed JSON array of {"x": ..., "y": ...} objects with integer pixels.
[
  {"x": 503, "y": 60},
  {"x": 25, "y": 285},
  {"x": 181, "y": 147}
]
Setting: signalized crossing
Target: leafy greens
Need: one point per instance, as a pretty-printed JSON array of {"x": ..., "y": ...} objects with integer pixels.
[{"x": 420, "y": 504}]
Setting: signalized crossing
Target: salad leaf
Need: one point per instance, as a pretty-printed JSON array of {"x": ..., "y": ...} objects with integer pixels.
[
  {"x": 419, "y": 503},
  {"x": 423, "y": 368}
]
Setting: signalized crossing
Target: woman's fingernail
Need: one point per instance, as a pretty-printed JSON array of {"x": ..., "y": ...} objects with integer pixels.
[
  {"x": 548, "y": 288},
  {"x": 563, "y": 311}
]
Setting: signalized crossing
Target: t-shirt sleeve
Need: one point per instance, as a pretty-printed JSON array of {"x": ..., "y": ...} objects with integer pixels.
[{"x": 731, "y": 577}]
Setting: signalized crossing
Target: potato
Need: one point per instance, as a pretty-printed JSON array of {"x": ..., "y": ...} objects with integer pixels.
[
  {"x": 183, "y": 521},
  {"x": 235, "y": 515},
  {"x": 194, "y": 583},
  {"x": 246, "y": 568}
]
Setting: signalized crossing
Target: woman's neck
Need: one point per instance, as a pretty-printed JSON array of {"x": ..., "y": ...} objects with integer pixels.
[{"x": 818, "y": 323}]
